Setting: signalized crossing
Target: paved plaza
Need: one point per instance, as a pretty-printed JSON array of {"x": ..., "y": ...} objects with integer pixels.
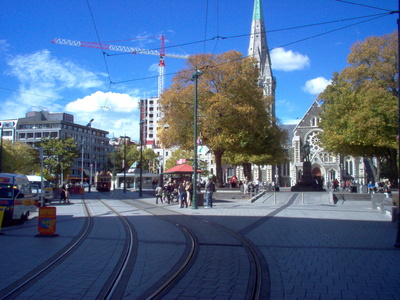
[{"x": 314, "y": 249}]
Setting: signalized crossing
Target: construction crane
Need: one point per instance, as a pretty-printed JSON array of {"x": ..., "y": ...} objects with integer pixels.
[{"x": 134, "y": 50}]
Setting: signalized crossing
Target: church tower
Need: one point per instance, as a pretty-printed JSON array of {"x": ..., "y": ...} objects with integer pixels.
[{"x": 258, "y": 48}]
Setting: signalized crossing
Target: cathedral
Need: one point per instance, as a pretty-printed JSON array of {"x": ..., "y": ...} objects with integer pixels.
[{"x": 325, "y": 166}]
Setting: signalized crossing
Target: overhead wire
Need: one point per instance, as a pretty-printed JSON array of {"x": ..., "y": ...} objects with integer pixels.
[
  {"x": 359, "y": 4},
  {"x": 205, "y": 28},
  {"x": 217, "y": 11},
  {"x": 218, "y": 37},
  {"x": 374, "y": 16},
  {"x": 104, "y": 59}
]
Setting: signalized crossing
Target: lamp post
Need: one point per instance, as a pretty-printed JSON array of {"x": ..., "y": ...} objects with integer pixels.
[
  {"x": 82, "y": 165},
  {"x": 141, "y": 157},
  {"x": 194, "y": 78},
  {"x": 124, "y": 165},
  {"x": 1, "y": 147},
  {"x": 397, "y": 244},
  {"x": 90, "y": 152}
]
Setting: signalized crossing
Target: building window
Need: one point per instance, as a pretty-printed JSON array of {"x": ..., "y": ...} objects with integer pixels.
[
  {"x": 29, "y": 135},
  {"x": 54, "y": 134},
  {"x": 21, "y": 135}
]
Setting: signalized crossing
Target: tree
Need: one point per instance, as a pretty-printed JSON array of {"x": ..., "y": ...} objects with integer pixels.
[
  {"x": 233, "y": 115},
  {"x": 117, "y": 157},
  {"x": 359, "y": 110},
  {"x": 59, "y": 155},
  {"x": 20, "y": 158},
  {"x": 150, "y": 160}
]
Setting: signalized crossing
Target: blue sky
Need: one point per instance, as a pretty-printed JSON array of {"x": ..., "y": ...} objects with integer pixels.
[{"x": 36, "y": 74}]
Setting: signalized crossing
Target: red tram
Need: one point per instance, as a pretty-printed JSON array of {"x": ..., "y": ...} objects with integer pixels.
[{"x": 102, "y": 181}]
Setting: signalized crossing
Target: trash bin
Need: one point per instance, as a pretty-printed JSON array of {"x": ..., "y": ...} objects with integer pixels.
[
  {"x": 353, "y": 189},
  {"x": 200, "y": 199}
]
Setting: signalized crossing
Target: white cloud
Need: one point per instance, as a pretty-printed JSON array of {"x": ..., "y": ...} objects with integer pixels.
[
  {"x": 287, "y": 60},
  {"x": 40, "y": 69},
  {"x": 113, "y": 112},
  {"x": 316, "y": 86}
]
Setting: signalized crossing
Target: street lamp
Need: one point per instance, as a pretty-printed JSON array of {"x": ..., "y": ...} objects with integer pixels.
[
  {"x": 141, "y": 157},
  {"x": 194, "y": 78},
  {"x": 1, "y": 147},
  {"x": 82, "y": 164},
  {"x": 124, "y": 165},
  {"x": 397, "y": 244},
  {"x": 90, "y": 152}
]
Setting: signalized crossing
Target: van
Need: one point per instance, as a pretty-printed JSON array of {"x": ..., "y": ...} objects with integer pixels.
[
  {"x": 48, "y": 190},
  {"x": 17, "y": 197}
]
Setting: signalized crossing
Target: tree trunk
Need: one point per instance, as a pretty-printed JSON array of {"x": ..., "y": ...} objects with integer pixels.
[
  {"x": 375, "y": 169},
  {"x": 218, "y": 162},
  {"x": 247, "y": 170},
  {"x": 394, "y": 172}
]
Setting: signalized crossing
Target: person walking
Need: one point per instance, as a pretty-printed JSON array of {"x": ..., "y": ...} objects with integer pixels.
[
  {"x": 210, "y": 189},
  {"x": 189, "y": 192},
  {"x": 159, "y": 194},
  {"x": 63, "y": 194},
  {"x": 182, "y": 195}
]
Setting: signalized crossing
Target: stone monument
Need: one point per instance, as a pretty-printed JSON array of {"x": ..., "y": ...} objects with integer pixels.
[{"x": 307, "y": 183}]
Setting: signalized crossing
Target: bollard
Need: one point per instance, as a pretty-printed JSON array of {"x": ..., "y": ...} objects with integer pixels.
[
  {"x": 274, "y": 198},
  {"x": 302, "y": 198},
  {"x": 330, "y": 197}
]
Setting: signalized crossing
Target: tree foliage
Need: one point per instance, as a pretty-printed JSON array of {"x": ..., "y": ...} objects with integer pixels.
[
  {"x": 233, "y": 114},
  {"x": 19, "y": 158},
  {"x": 359, "y": 110},
  {"x": 59, "y": 155}
]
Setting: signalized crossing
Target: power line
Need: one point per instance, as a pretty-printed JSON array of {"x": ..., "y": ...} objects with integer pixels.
[
  {"x": 375, "y": 16},
  {"x": 359, "y": 4}
]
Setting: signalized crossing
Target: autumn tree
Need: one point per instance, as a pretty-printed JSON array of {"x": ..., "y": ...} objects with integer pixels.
[
  {"x": 19, "y": 158},
  {"x": 359, "y": 110},
  {"x": 233, "y": 114}
]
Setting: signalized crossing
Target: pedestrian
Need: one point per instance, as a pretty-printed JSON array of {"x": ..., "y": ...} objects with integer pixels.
[
  {"x": 159, "y": 194},
  {"x": 63, "y": 196},
  {"x": 189, "y": 192},
  {"x": 182, "y": 195},
  {"x": 67, "y": 192},
  {"x": 210, "y": 189},
  {"x": 246, "y": 185}
]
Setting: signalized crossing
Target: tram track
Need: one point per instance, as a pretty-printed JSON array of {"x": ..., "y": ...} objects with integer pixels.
[
  {"x": 200, "y": 238},
  {"x": 18, "y": 287},
  {"x": 257, "y": 265}
]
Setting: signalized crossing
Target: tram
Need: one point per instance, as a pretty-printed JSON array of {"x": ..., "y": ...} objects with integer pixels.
[
  {"x": 17, "y": 197},
  {"x": 102, "y": 181}
]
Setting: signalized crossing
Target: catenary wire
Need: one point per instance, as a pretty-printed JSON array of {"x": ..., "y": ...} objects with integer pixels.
[
  {"x": 375, "y": 16},
  {"x": 359, "y": 4}
]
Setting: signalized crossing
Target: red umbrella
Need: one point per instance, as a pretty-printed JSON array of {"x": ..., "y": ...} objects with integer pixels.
[{"x": 181, "y": 169}]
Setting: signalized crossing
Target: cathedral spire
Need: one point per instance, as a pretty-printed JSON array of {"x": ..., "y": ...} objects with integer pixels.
[{"x": 258, "y": 49}]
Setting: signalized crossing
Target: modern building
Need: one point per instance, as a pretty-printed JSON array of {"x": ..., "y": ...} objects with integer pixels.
[{"x": 39, "y": 125}]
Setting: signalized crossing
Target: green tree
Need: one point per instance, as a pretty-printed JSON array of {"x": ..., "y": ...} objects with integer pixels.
[
  {"x": 233, "y": 115},
  {"x": 59, "y": 155},
  {"x": 117, "y": 157},
  {"x": 359, "y": 110},
  {"x": 19, "y": 158}
]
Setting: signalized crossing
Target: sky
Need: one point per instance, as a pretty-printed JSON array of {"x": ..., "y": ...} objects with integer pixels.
[{"x": 309, "y": 40}]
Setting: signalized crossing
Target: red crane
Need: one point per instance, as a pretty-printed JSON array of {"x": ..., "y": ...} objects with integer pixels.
[{"x": 134, "y": 50}]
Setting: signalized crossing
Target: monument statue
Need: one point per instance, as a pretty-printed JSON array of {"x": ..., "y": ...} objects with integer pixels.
[{"x": 306, "y": 151}]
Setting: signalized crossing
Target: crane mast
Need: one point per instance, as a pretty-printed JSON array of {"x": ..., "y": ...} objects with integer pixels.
[{"x": 134, "y": 50}]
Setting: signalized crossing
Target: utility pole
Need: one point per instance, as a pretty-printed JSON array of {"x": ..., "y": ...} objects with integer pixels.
[
  {"x": 194, "y": 78},
  {"x": 397, "y": 244}
]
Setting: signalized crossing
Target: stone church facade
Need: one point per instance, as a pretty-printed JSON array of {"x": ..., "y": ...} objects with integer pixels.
[{"x": 325, "y": 166}]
